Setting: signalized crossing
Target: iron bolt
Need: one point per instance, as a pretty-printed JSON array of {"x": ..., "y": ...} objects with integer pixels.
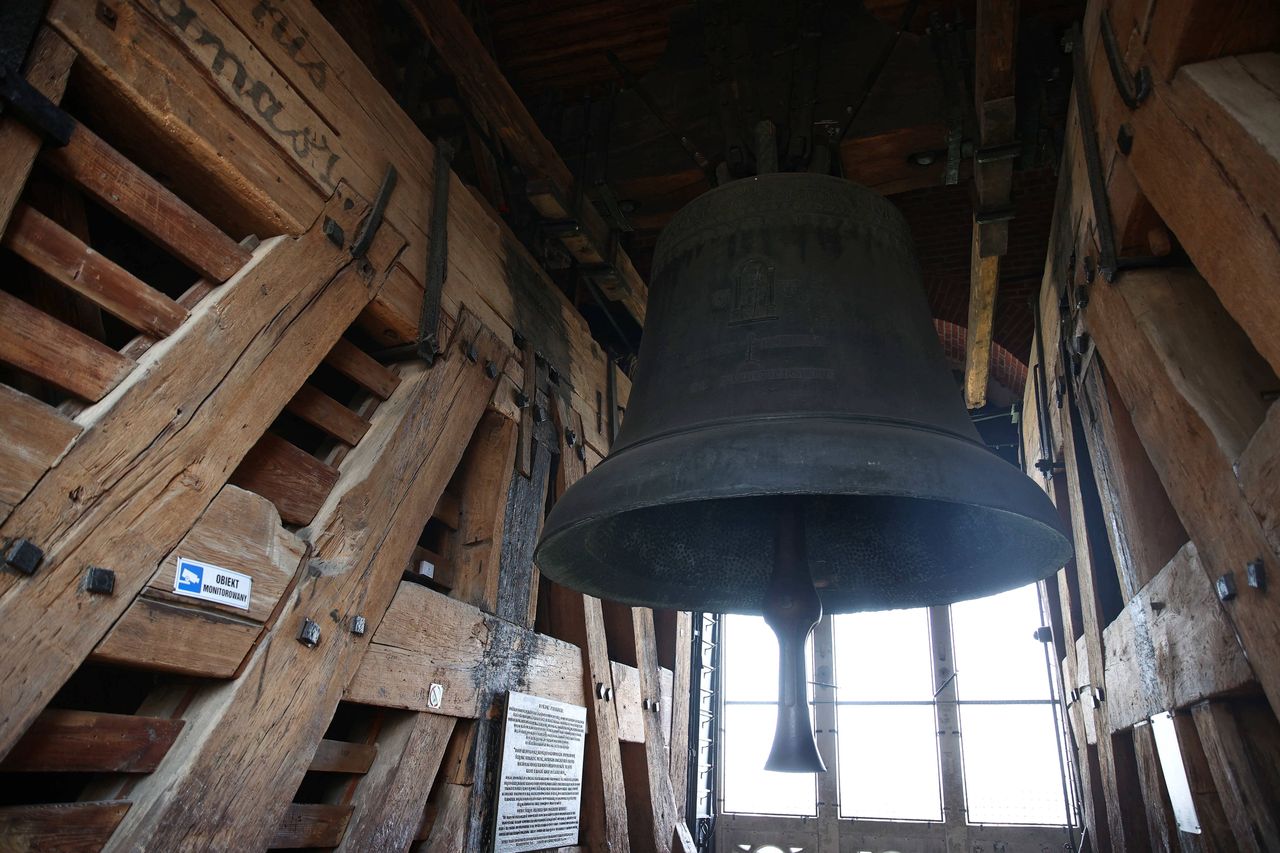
[
  {"x": 334, "y": 232},
  {"x": 1256, "y": 575},
  {"x": 100, "y": 581},
  {"x": 470, "y": 351},
  {"x": 491, "y": 370},
  {"x": 518, "y": 339},
  {"x": 582, "y": 453},
  {"x": 24, "y": 556},
  {"x": 553, "y": 375},
  {"x": 602, "y": 692},
  {"x": 1044, "y": 634},
  {"x": 1226, "y": 587},
  {"x": 309, "y": 636},
  {"x": 359, "y": 626},
  {"x": 570, "y": 437},
  {"x": 522, "y": 400},
  {"x": 539, "y": 413}
]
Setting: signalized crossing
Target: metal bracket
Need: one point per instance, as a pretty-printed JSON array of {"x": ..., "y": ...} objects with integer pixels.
[
  {"x": 438, "y": 259},
  {"x": 373, "y": 219},
  {"x": 18, "y": 27},
  {"x": 1134, "y": 88}
]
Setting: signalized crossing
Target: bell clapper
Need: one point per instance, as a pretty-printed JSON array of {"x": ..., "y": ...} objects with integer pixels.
[{"x": 792, "y": 609}]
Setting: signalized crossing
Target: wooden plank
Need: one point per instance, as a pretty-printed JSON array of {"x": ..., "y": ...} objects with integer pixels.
[
  {"x": 627, "y": 703},
  {"x": 490, "y": 95},
  {"x": 1161, "y": 824},
  {"x": 60, "y": 827},
  {"x": 1183, "y": 31},
  {"x": 1171, "y": 647},
  {"x": 389, "y": 801},
  {"x": 358, "y": 366},
  {"x": 204, "y": 396},
  {"x": 360, "y": 550},
  {"x": 449, "y": 511},
  {"x": 172, "y": 637},
  {"x": 426, "y": 637},
  {"x": 325, "y": 413},
  {"x": 57, "y": 353},
  {"x": 33, "y": 437},
  {"x": 146, "y": 204},
  {"x": 449, "y": 829},
  {"x": 339, "y": 756},
  {"x": 984, "y": 284},
  {"x": 1185, "y": 374},
  {"x": 90, "y": 742},
  {"x": 48, "y": 67},
  {"x": 1215, "y": 831},
  {"x": 525, "y": 503},
  {"x": 311, "y": 825},
  {"x": 1241, "y": 740},
  {"x": 678, "y": 711},
  {"x": 292, "y": 479},
  {"x": 64, "y": 258},
  {"x": 481, "y": 482}
]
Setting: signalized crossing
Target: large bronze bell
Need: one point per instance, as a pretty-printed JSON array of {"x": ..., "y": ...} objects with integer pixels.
[{"x": 793, "y": 426}]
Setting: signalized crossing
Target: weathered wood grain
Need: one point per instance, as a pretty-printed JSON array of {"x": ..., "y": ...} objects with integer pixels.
[
  {"x": 57, "y": 353},
  {"x": 48, "y": 68},
  {"x": 338, "y": 756},
  {"x": 59, "y": 828},
  {"x": 1171, "y": 647},
  {"x": 1241, "y": 741},
  {"x": 178, "y": 637},
  {"x": 360, "y": 548},
  {"x": 388, "y": 804},
  {"x": 292, "y": 479},
  {"x": 60, "y": 255},
  {"x": 481, "y": 482},
  {"x": 358, "y": 366},
  {"x": 311, "y": 825},
  {"x": 984, "y": 286},
  {"x": 426, "y": 637},
  {"x": 90, "y": 742},
  {"x": 156, "y": 451},
  {"x": 32, "y": 438},
  {"x": 325, "y": 413},
  {"x": 145, "y": 203}
]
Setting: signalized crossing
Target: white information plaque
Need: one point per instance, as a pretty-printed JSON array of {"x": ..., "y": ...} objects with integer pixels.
[{"x": 540, "y": 786}]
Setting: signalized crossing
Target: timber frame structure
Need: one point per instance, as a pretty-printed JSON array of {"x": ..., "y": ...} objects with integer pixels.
[
  {"x": 237, "y": 378},
  {"x": 247, "y": 414}
]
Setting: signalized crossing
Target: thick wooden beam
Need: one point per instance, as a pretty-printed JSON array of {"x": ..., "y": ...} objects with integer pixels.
[
  {"x": 984, "y": 285},
  {"x": 481, "y": 482},
  {"x": 60, "y": 255},
  {"x": 489, "y": 94},
  {"x": 358, "y": 366},
  {"x": 389, "y": 800},
  {"x": 204, "y": 396},
  {"x": 89, "y": 742},
  {"x": 32, "y": 437},
  {"x": 61, "y": 826},
  {"x": 1241, "y": 740},
  {"x": 339, "y": 756},
  {"x": 307, "y": 825},
  {"x": 289, "y": 688},
  {"x": 292, "y": 479},
  {"x": 325, "y": 413},
  {"x": 145, "y": 203}
]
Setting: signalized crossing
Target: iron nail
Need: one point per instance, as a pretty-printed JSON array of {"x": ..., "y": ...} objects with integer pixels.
[
  {"x": 582, "y": 453},
  {"x": 100, "y": 581},
  {"x": 359, "y": 626},
  {"x": 570, "y": 437},
  {"x": 333, "y": 231},
  {"x": 1226, "y": 587},
  {"x": 309, "y": 636},
  {"x": 470, "y": 351},
  {"x": 522, "y": 400},
  {"x": 24, "y": 556},
  {"x": 1256, "y": 575},
  {"x": 600, "y": 690},
  {"x": 491, "y": 370},
  {"x": 518, "y": 339}
]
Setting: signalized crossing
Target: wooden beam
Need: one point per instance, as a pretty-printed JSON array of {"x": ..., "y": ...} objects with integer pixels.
[
  {"x": 204, "y": 397},
  {"x": 60, "y": 255},
  {"x": 426, "y": 637},
  {"x": 327, "y": 414},
  {"x": 389, "y": 801},
  {"x": 292, "y": 479},
  {"x": 481, "y": 481},
  {"x": 552, "y": 184},
  {"x": 32, "y": 437},
  {"x": 311, "y": 825},
  {"x": 339, "y": 756},
  {"x": 1161, "y": 823},
  {"x": 142, "y": 201},
  {"x": 60, "y": 826},
  {"x": 55, "y": 352},
  {"x": 48, "y": 68},
  {"x": 1241, "y": 740},
  {"x": 358, "y": 366},
  {"x": 287, "y": 688},
  {"x": 90, "y": 742},
  {"x": 984, "y": 284}
]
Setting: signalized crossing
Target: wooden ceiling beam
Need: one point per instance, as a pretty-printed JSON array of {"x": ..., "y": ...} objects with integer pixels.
[
  {"x": 586, "y": 233},
  {"x": 993, "y": 88}
]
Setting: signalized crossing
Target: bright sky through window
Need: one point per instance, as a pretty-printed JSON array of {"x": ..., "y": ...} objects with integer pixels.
[{"x": 888, "y": 762}]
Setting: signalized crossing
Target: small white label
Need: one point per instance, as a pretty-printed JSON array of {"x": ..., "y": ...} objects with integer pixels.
[{"x": 212, "y": 583}]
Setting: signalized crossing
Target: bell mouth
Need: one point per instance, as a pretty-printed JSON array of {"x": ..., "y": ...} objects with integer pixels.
[{"x": 896, "y": 518}]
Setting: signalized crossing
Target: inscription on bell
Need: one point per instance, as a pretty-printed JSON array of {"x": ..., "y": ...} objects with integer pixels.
[{"x": 753, "y": 293}]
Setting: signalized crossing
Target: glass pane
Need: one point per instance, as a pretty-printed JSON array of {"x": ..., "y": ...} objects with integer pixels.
[
  {"x": 889, "y": 762},
  {"x": 749, "y": 659},
  {"x": 883, "y": 656},
  {"x": 748, "y": 787},
  {"x": 997, "y": 656},
  {"x": 1011, "y": 768}
]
